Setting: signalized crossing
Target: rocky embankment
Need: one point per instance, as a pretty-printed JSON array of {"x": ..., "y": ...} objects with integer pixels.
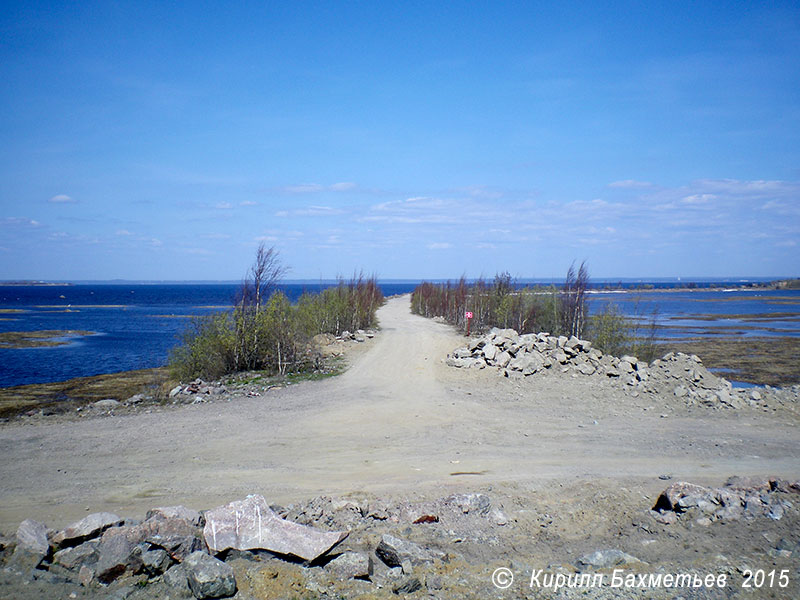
[
  {"x": 367, "y": 547},
  {"x": 675, "y": 374}
]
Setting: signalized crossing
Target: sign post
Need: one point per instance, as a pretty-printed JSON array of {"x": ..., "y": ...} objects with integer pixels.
[{"x": 468, "y": 316}]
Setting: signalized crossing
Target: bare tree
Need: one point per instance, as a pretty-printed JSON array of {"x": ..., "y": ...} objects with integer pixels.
[
  {"x": 573, "y": 300},
  {"x": 259, "y": 284}
]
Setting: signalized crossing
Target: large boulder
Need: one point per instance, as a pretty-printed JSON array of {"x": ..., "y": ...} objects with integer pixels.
[{"x": 250, "y": 524}]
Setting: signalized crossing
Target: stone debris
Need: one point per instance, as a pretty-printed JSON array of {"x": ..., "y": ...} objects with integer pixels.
[
  {"x": 393, "y": 548},
  {"x": 250, "y": 524},
  {"x": 740, "y": 498},
  {"x": 675, "y": 374}
]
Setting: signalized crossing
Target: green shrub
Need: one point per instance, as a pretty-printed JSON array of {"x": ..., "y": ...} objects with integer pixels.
[{"x": 266, "y": 332}]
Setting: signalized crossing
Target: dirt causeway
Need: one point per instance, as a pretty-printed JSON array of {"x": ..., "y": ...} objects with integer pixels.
[{"x": 400, "y": 424}]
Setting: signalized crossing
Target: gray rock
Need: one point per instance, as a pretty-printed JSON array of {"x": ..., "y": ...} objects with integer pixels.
[
  {"x": 117, "y": 555},
  {"x": 73, "y": 558},
  {"x": 467, "y": 503},
  {"x": 502, "y": 359},
  {"x": 680, "y": 391},
  {"x": 156, "y": 561},
  {"x": 177, "y": 512},
  {"x": 175, "y": 578},
  {"x": 209, "y": 577},
  {"x": 603, "y": 559},
  {"x": 175, "y": 535},
  {"x": 394, "y": 551},
  {"x": 87, "y": 528},
  {"x": 586, "y": 369},
  {"x": 559, "y": 356},
  {"x": 175, "y": 391},
  {"x": 32, "y": 546},
  {"x": 489, "y": 351},
  {"x": 106, "y": 404},
  {"x": 670, "y": 497},
  {"x": 135, "y": 399},
  {"x": 498, "y": 517},
  {"x": 251, "y": 524},
  {"x": 350, "y": 565},
  {"x": 32, "y": 536}
]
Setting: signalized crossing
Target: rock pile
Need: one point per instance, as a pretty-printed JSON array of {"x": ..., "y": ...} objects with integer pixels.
[
  {"x": 196, "y": 390},
  {"x": 360, "y": 335},
  {"x": 676, "y": 374},
  {"x": 740, "y": 498},
  {"x": 180, "y": 552}
]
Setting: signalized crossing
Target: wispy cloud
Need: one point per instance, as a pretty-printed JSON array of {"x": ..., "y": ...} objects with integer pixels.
[
  {"x": 315, "y": 188},
  {"x": 440, "y": 246},
  {"x": 62, "y": 199},
  {"x": 630, "y": 184},
  {"x": 310, "y": 211},
  {"x": 19, "y": 222}
]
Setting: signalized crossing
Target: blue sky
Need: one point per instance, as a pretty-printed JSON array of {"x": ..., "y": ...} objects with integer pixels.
[{"x": 166, "y": 140}]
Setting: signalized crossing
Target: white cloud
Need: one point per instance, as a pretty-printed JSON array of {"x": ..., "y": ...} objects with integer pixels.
[
  {"x": 698, "y": 199},
  {"x": 303, "y": 188},
  {"x": 223, "y": 205},
  {"x": 62, "y": 199},
  {"x": 439, "y": 246},
  {"x": 343, "y": 186},
  {"x": 123, "y": 232},
  {"x": 630, "y": 184},
  {"x": 19, "y": 222},
  {"x": 310, "y": 211},
  {"x": 248, "y": 203}
]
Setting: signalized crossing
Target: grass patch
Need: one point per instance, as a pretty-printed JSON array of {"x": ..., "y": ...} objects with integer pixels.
[
  {"x": 64, "y": 396},
  {"x": 762, "y": 361},
  {"x": 39, "y": 339}
]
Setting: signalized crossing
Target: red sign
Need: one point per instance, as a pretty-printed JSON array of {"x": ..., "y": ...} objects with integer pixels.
[{"x": 468, "y": 315}]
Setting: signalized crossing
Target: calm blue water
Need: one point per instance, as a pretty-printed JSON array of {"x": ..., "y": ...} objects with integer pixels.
[{"x": 137, "y": 325}]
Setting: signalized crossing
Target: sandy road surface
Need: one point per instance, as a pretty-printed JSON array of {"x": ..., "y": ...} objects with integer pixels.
[{"x": 398, "y": 421}]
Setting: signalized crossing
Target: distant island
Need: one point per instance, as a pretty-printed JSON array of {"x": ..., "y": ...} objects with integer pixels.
[{"x": 30, "y": 283}]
